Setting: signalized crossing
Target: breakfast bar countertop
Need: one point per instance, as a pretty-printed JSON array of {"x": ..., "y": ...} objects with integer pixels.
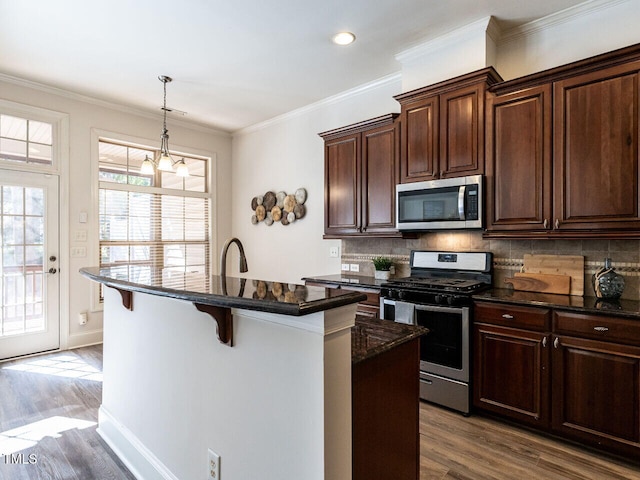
[{"x": 224, "y": 291}]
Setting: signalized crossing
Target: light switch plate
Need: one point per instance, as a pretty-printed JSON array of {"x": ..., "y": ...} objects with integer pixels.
[{"x": 354, "y": 267}]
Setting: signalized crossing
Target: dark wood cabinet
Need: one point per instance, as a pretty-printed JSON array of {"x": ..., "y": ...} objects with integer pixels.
[
  {"x": 578, "y": 377},
  {"x": 518, "y": 161},
  {"x": 596, "y": 393},
  {"x": 443, "y": 128},
  {"x": 386, "y": 402},
  {"x": 596, "y": 117},
  {"x": 511, "y": 367},
  {"x": 563, "y": 151},
  {"x": 361, "y": 172},
  {"x": 369, "y": 308}
]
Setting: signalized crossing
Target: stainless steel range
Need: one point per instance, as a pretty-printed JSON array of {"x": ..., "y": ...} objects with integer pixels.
[{"x": 437, "y": 296}]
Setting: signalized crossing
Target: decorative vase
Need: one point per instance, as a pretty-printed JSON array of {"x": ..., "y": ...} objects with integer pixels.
[
  {"x": 382, "y": 274},
  {"x": 606, "y": 282}
]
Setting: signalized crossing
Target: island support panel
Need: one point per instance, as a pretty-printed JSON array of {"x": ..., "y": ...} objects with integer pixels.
[{"x": 275, "y": 406}]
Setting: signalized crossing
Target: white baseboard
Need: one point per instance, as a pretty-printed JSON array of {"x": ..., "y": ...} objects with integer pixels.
[
  {"x": 77, "y": 340},
  {"x": 138, "y": 459}
]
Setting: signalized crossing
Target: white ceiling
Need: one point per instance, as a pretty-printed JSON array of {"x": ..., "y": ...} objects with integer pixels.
[{"x": 234, "y": 63}]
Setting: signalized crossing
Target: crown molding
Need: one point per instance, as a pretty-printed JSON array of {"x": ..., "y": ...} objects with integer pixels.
[
  {"x": 557, "y": 18},
  {"x": 347, "y": 94},
  {"x": 419, "y": 51},
  {"x": 141, "y": 112}
]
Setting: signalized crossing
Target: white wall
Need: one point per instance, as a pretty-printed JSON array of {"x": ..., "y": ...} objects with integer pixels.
[
  {"x": 596, "y": 27},
  {"x": 85, "y": 115},
  {"x": 287, "y": 153}
]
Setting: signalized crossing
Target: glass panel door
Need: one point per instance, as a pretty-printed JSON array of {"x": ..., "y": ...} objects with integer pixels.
[{"x": 29, "y": 279}]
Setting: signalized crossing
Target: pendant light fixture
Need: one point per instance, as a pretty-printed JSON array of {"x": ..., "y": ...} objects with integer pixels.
[{"x": 164, "y": 162}]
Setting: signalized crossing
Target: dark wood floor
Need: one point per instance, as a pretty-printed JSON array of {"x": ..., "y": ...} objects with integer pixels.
[
  {"x": 49, "y": 404},
  {"x": 478, "y": 448},
  {"x": 64, "y": 398}
]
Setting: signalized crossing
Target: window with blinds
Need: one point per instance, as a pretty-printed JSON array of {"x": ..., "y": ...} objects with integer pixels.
[{"x": 160, "y": 220}]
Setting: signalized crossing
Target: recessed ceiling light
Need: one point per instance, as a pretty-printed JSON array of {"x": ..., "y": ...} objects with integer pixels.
[{"x": 344, "y": 38}]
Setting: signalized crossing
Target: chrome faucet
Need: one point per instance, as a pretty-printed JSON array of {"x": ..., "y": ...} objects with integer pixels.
[{"x": 223, "y": 256}]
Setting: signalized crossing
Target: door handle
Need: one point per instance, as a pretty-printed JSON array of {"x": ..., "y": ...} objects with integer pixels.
[
  {"x": 544, "y": 342},
  {"x": 556, "y": 343}
]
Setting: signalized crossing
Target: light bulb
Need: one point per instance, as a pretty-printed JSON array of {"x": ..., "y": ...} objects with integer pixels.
[
  {"x": 165, "y": 163},
  {"x": 147, "y": 166},
  {"x": 182, "y": 170}
]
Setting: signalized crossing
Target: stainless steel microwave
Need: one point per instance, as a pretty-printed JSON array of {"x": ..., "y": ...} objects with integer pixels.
[{"x": 450, "y": 203}]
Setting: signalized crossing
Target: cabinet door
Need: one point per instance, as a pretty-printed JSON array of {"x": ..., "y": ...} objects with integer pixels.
[
  {"x": 379, "y": 178},
  {"x": 511, "y": 373},
  {"x": 596, "y": 150},
  {"x": 596, "y": 393},
  {"x": 518, "y": 162},
  {"x": 419, "y": 149},
  {"x": 342, "y": 186},
  {"x": 462, "y": 132}
]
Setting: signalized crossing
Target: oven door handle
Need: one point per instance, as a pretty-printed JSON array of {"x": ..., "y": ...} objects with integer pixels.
[{"x": 437, "y": 308}]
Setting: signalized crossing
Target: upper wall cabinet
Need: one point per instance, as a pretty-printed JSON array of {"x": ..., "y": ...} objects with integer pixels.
[
  {"x": 361, "y": 172},
  {"x": 443, "y": 128},
  {"x": 562, "y": 151}
]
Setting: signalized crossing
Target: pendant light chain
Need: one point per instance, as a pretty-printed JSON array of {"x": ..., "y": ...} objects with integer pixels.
[{"x": 164, "y": 162}]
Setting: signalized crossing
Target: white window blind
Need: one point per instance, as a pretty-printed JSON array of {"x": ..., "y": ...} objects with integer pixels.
[{"x": 159, "y": 221}]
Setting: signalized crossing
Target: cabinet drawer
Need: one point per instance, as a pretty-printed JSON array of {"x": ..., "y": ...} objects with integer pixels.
[
  {"x": 531, "y": 318},
  {"x": 600, "y": 327},
  {"x": 366, "y": 310},
  {"x": 373, "y": 297}
]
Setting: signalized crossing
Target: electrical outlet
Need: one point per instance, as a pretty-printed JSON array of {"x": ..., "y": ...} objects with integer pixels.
[
  {"x": 213, "y": 467},
  {"x": 77, "y": 252},
  {"x": 345, "y": 267},
  {"x": 82, "y": 318},
  {"x": 354, "y": 267},
  {"x": 333, "y": 252}
]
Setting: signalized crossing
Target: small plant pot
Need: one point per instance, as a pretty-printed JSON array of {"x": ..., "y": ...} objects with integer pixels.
[{"x": 382, "y": 274}]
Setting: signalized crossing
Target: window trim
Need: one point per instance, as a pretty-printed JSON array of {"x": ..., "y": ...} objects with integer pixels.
[
  {"x": 59, "y": 135},
  {"x": 98, "y": 135}
]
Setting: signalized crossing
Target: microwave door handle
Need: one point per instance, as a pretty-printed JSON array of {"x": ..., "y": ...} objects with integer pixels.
[{"x": 461, "y": 195}]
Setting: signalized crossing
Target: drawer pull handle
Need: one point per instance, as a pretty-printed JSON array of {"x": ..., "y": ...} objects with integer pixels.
[
  {"x": 556, "y": 343},
  {"x": 544, "y": 342},
  {"x": 506, "y": 315},
  {"x": 601, "y": 329},
  {"x": 545, "y": 224}
]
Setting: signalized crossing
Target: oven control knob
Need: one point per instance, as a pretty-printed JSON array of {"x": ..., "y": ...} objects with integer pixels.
[
  {"x": 439, "y": 299},
  {"x": 451, "y": 300},
  {"x": 401, "y": 295}
]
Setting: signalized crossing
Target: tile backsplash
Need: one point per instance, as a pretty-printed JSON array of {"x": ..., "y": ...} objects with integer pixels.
[{"x": 507, "y": 254}]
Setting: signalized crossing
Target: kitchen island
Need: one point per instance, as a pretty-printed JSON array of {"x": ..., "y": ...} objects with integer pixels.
[{"x": 258, "y": 372}]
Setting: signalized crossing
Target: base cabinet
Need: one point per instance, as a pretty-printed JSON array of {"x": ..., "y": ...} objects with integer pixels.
[
  {"x": 579, "y": 379},
  {"x": 386, "y": 409},
  {"x": 513, "y": 377}
]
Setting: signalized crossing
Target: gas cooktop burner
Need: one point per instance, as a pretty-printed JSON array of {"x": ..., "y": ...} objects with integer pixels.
[{"x": 438, "y": 284}]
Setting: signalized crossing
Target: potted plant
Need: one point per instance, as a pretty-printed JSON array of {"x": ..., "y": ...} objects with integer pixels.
[{"x": 383, "y": 267}]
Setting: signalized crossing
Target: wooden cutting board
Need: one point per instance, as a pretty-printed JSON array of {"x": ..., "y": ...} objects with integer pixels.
[
  {"x": 571, "y": 265},
  {"x": 541, "y": 282}
]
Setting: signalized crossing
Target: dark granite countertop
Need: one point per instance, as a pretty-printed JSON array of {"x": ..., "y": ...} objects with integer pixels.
[
  {"x": 232, "y": 292},
  {"x": 620, "y": 308},
  {"x": 372, "y": 336},
  {"x": 348, "y": 280}
]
